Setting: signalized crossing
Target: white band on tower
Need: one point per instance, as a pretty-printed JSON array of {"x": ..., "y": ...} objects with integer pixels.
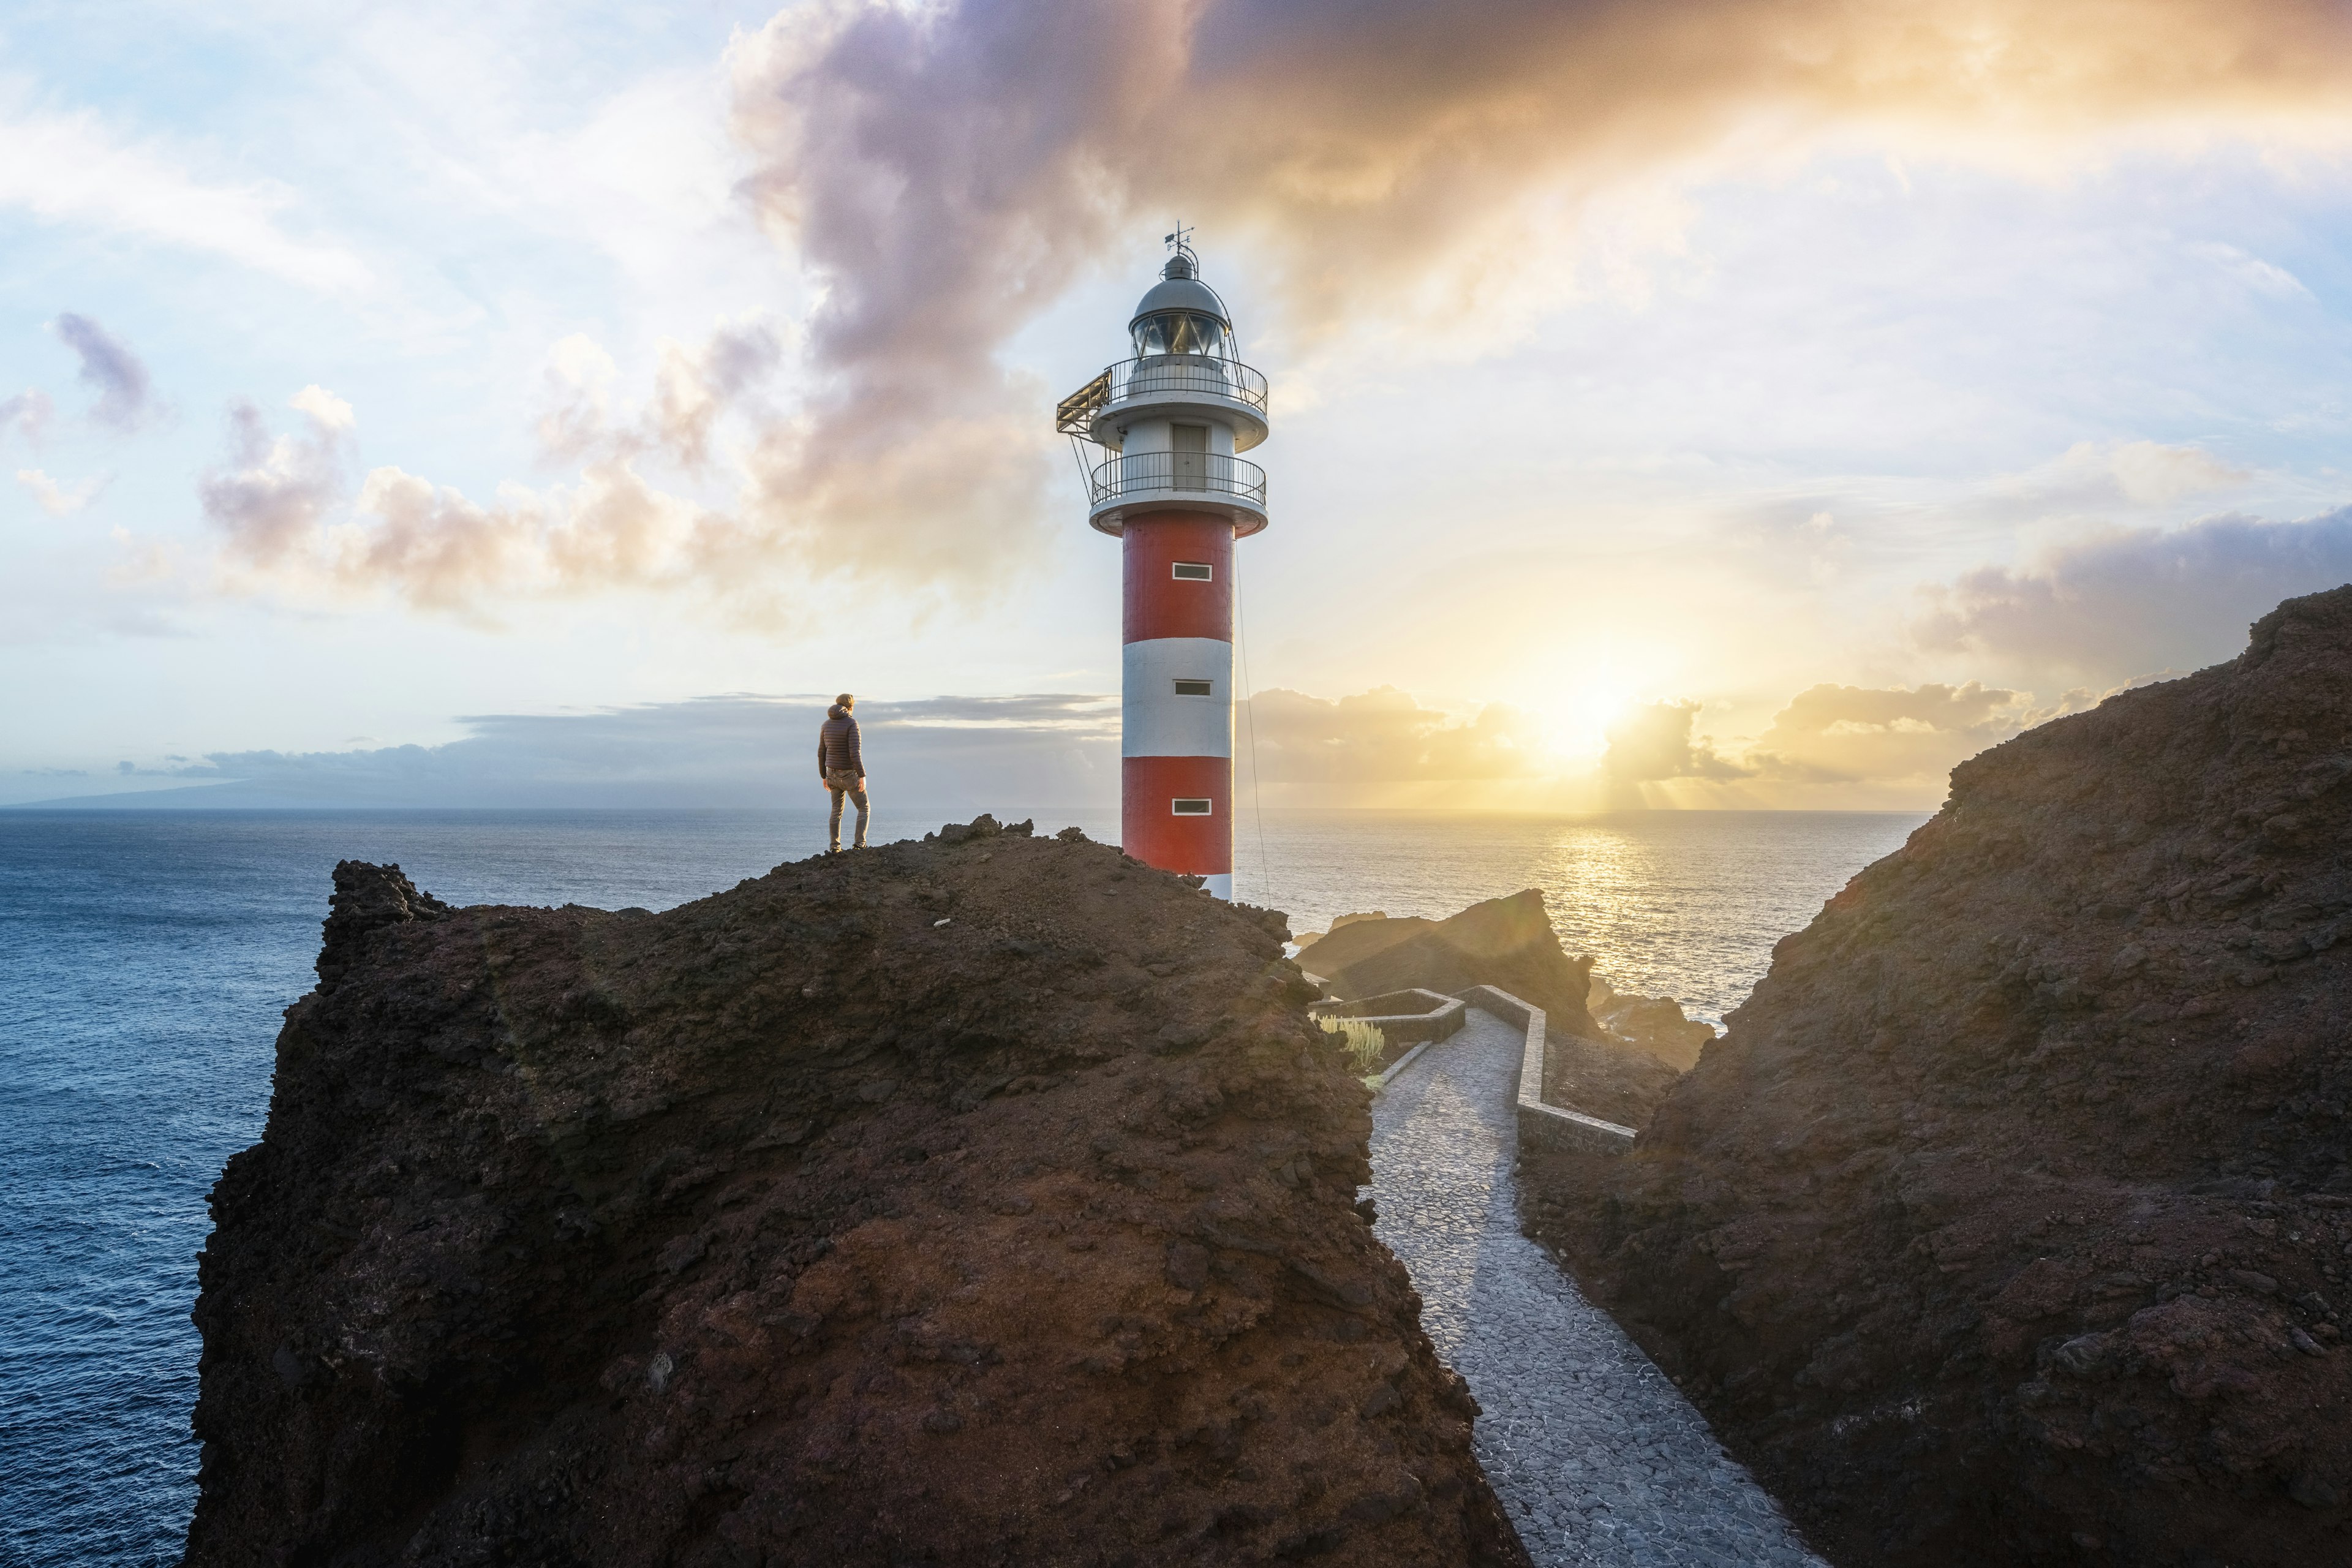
[{"x": 1162, "y": 713}]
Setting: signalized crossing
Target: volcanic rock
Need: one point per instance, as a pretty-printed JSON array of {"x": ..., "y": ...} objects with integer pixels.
[
  {"x": 988, "y": 1200},
  {"x": 1653, "y": 1023},
  {"x": 2008, "y": 1222},
  {"x": 1508, "y": 943}
]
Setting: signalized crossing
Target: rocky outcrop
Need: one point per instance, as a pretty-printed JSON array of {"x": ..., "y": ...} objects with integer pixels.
[
  {"x": 2008, "y": 1222},
  {"x": 982, "y": 1201},
  {"x": 1653, "y": 1023},
  {"x": 1508, "y": 943}
]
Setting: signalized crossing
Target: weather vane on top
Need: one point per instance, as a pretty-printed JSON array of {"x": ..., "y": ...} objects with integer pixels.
[{"x": 1181, "y": 242}]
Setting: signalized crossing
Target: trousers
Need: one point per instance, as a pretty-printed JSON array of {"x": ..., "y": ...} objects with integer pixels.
[{"x": 844, "y": 784}]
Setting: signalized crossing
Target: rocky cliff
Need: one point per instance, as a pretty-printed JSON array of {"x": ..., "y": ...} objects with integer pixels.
[
  {"x": 2008, "y": 1223},
  {"x": 980, "y": 1200}
]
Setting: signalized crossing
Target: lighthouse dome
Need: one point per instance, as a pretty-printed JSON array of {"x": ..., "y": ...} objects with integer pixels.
[{"x": 1179, "y": 314}]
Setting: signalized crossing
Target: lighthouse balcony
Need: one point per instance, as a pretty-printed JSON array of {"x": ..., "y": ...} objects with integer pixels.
[
  {"x": 1167, "y": 386},
  {"x": 1178, "y": 482}
]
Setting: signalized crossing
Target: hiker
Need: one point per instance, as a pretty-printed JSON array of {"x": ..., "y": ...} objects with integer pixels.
[{"x": 840, "y": 767}]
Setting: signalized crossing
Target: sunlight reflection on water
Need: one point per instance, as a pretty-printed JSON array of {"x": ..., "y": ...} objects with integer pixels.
[{"x": 1686, "y": 904}]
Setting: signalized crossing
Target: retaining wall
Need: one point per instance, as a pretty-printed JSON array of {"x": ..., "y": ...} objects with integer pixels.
[
  {"x": 1542, "y": 1125},
  {"x": 1403, "y": 1017}
]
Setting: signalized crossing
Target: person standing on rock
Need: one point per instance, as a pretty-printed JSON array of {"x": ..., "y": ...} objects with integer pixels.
[{"x": 841, "y": 769}]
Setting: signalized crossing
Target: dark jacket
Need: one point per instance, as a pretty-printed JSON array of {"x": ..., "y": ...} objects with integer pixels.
[{"x": 837, "y": 743}]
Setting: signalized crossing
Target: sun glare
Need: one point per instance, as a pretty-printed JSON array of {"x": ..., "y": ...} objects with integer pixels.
[{"x": 1577, "y": 727}]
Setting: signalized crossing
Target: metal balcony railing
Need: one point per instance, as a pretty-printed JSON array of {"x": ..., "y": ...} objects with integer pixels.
[
  {"x": 1190, "y": 375},
  {"x": 1210, "y": 472}
]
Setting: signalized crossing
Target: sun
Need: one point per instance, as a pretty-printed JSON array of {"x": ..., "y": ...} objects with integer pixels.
[{"x": 1575, "y": 725}]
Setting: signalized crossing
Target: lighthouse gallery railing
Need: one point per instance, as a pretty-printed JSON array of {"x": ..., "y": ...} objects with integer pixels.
[
  {"x": 1196, "y": 374},
  {"x": 1208, "y": 471},
  {"x": 1161, "y": 375}
]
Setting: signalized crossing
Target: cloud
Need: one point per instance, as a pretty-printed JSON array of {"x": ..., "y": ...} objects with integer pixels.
[
  {"x": 73, "y": 168},
  {"x": 54, "y": 497},
  {"x": 272, "y": 498},
  {"x": 126, "y": 393},
  {"x": 440, "y": 551},
  {"x": 2137, "y": 599},
  {"x": 2137, "y": 473},
  {"x": 693, "y": 389},
  {"x": 896, "y": 173},
  {"x": 1655, "y": 742},
  {"x": 290, "y": 521},
  {"x": 1382, "y": 736},
  {"x": 28, "y": 412},
  {"x": 1831, "y": 746},
  {"x": 945, "y": 753},
  {"x": 2254, "y": 271},
  {"x": 1852, "y": 734},
  {"x": 948, "y": 170},
  {"x": 2146, "y": 471}
]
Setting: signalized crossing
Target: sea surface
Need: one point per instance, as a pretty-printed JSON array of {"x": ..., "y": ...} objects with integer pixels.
[{"x": 145, "y": 958}]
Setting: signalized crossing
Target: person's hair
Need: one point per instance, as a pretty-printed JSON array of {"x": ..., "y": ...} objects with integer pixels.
[{"x": 846, "y": 700}]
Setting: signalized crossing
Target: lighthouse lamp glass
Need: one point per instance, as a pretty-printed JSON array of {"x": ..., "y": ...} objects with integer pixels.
[{"x": 1178, "y": 332}]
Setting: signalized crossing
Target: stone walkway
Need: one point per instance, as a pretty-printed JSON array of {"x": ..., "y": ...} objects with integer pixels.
[{"x": 1597, "y": 1457}]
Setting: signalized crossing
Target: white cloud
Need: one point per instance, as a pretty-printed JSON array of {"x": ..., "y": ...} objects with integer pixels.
[
  {"x": 74, "y": 168},
  {"x": 325, "y": 409},
  {"x": 2093, "y": 474},
  {"x": 693, "y": 389},
  {"x": 273, "y": 497},
  {"x": 2254, "y": 271},
  {"x": 28, "y": 412},
  {"x": 2152, "y": 473},
  {"x": 54, "y": 497}
]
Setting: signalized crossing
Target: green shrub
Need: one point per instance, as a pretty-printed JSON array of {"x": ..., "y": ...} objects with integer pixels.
[{"x": 1365, "y": 1043}]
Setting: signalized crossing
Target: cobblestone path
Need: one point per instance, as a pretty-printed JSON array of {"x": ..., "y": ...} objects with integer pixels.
[{"x": 1597, "y": 1456}]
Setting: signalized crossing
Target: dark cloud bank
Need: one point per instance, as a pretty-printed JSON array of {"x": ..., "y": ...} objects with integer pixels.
[
  {"x": 734, "y": 752},
  {"x": 1057, "y": 751},
  {"x": 2139, "y": 599}
]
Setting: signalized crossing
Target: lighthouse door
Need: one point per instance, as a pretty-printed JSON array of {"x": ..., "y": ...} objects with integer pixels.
[{"x": 1191, "y": 457}]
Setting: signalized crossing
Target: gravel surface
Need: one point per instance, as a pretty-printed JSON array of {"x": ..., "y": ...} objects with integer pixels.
[{"x": 1598, "y": 1458}]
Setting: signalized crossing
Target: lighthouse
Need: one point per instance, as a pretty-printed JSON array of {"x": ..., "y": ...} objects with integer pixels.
[{"x": 1160, "y": 436}]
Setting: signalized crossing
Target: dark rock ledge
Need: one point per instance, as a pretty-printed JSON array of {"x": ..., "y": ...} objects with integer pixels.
[{"x": 988, "y": 1200}]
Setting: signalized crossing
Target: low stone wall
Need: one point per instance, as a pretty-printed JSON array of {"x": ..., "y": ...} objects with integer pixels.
[
  {"x": 1543, "y": 1125},
  {"x": 1380, "y": 1084},
  {"x": 1404, "y": 1017}
]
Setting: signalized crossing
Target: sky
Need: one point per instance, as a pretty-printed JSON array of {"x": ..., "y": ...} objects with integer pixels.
[{"x": 1703, "y": 404}]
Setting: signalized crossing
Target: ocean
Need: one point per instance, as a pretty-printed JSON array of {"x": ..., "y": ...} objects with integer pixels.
[{"x": 145, "y": 958}]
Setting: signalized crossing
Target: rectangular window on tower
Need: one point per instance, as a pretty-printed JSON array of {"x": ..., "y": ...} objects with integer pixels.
[
  {"x": 1192, "y": 572},
  {"x": 1195, "y": 687},
  {"x": 1182, "y": 807}
]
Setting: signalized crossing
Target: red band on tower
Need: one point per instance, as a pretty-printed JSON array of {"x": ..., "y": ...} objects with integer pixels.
[
  {"x": 1159, "y": 602},
  {"x": 1152, "y": 832}
]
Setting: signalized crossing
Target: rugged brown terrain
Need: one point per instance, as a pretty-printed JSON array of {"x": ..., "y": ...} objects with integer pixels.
[
  {"x": 2009, "y": 1221},
  {"x": 982, "y": 1201},
  {"x": 1509, "y": 943}
]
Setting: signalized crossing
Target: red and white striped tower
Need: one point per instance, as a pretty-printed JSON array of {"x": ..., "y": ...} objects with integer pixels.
[{"x": 1174, "y": 491}]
